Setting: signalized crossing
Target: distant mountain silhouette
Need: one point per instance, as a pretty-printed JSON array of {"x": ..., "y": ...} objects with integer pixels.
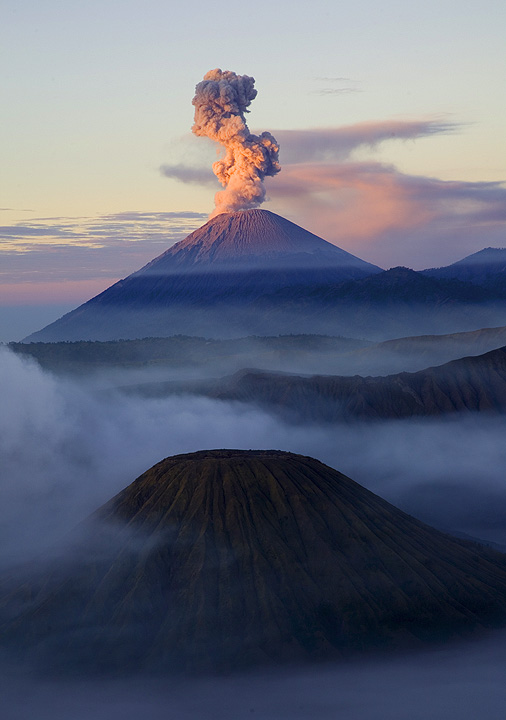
[
  {"x": 486, "y": 268},
  {"x": 412, "y": 354},
  {"x": 471, "y": 384},
  {"x": 401, "y": 284},
  {"x": 291, "y": 353},
  {"x": 222, "y": 559}
]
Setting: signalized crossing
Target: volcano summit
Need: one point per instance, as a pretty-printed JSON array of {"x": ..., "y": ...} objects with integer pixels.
[{"x": 255, "y": 239}]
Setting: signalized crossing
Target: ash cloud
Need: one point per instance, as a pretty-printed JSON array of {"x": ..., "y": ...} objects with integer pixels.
[
  {"x": 221, "y": 101},
  {"x": 373, "y": 209},
  {"x": 380, "y": 213},
  {"x": 189, "y": 175}
]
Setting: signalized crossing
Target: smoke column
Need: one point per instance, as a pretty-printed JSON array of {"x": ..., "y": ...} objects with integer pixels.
[{"x": 220, "y": 101}]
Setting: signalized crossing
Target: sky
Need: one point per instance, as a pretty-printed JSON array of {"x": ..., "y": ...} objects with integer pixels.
[{"x": 390, "y": 119}]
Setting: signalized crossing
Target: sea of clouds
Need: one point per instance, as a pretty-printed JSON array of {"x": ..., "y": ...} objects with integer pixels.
[{"x": 66, "y": 447}]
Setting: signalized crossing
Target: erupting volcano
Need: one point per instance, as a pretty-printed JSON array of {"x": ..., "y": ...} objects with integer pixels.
[{"x": 221, "y": 280}]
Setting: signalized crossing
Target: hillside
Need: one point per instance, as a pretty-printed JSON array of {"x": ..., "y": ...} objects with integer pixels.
[
  {"x": 223, "y": 559},
  {"x": 256, "y": 273},
  {"x": 471, "y": 384},
  {"x": 486, "y": 268}
]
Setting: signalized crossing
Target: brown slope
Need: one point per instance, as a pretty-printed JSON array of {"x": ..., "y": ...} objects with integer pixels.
[
  {"x": 470, "y": 384},
  {"x": 226, "y": 558}
]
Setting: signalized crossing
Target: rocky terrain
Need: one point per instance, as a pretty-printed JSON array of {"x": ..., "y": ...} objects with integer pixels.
[
  {"x": 470, "y": 384},
  {"x": 222, "y": 559}
]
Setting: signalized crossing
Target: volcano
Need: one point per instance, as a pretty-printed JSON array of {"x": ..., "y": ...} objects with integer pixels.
[
  {"x": 222, "y": 559},
  {"x": 215, "y": 282},
  {"x": 255, "y": 238}
]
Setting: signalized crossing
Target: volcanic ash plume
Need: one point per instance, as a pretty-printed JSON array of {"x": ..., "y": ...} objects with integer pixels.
[{"x": 221, "y": 100}]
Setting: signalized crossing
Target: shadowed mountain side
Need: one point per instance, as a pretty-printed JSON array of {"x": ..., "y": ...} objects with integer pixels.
[
  {"x": 394, "y": 303},
  {"x": 401, "y": 284},
  {"x": 230, "y": 558},
  {"x": 231, "y": 304},
  {"x": 470, "y": 384},
  {"x": 225, "y": 304},
  {"x": 486, "y": 268}
]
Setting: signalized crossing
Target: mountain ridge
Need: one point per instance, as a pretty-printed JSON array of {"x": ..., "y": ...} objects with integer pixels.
[
  {"x": 485, "y": 268},
  {"x": 470, "y": 384},
  {"x": 308, "y": 354}
]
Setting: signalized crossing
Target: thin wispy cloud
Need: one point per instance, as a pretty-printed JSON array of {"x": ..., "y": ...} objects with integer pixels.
[
  {"x": 333, "y": 79},
  {"x": 327, "y": 86},
  {"x": 336, "y": 91},
  {"x": 79, "y": 248},
  {"x": 338, "y": 143},
  {"x": 192, "y": 175},
  {"x": 329, "y": 144}
]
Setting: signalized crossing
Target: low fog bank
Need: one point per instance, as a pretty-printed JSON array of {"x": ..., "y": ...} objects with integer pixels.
[
  {"x": 313, "y": 311},
  {"x": 65, "y": 449},
  {"x": 464, "y": 682},
  {"x": 182, "y": 358}
]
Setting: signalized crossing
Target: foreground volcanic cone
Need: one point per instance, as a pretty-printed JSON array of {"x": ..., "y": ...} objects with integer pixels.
[{"x": 227, "y": 558}]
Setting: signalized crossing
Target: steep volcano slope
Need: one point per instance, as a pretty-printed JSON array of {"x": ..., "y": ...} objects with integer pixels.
[
  {"x": 254, "y": 238},
  {"x": 470, "y": 384},
  {"x": 221, "y": 283},
  {"x": 226, "y": 558},
  {"x": 208, "y": 282}
]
